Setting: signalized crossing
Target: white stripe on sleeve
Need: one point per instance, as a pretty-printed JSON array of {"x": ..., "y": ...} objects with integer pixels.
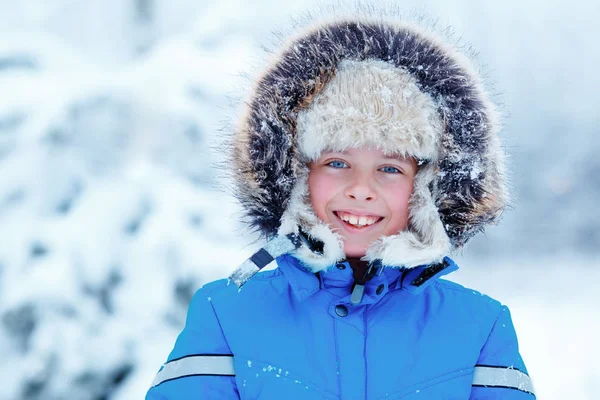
[
  {"x": 195, "y": 365},
  {"x": 502, "y": 377}
]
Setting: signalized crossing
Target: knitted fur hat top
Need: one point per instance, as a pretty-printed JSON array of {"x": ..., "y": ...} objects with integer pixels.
[{"x": 383, "y": 83}]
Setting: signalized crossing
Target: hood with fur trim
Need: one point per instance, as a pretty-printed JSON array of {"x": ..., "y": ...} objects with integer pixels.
[{"x": 371, "y": 81}]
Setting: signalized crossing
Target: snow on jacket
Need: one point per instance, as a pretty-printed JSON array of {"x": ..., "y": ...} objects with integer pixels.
[{"x": 290, "y": 333}]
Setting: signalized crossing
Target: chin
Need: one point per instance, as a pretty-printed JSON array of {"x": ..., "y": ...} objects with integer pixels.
[{"x": 354, "y": 253}]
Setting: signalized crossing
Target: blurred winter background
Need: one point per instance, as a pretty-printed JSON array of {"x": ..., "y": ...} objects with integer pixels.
[{"x": 111, "y": 217}]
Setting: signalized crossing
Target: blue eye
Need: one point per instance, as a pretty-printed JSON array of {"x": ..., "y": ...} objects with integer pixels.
[
  {"x": 390, "y": 170},
  {"x": 337, "y": 164}
]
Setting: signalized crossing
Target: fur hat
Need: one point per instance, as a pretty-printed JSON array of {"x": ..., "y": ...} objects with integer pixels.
[{"x": 384, "y": 83}]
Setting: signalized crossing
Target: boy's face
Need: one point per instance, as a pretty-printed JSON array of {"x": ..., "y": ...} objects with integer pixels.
[{"x": 362, "y": 194}]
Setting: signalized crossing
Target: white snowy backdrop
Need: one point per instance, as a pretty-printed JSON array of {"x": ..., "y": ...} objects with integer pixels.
[{"x": 111, "y": 214}]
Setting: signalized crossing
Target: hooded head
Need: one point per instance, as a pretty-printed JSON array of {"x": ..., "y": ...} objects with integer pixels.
[{"x": 383, "y": 84}]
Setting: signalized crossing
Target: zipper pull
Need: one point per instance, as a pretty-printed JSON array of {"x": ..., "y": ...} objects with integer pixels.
[
  {"x": 358, "y": 290},
  {"x": 357, "y": 293}
]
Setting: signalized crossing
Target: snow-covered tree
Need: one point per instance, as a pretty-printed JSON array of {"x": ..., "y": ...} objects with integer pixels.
[{"x": 111, "y": 214}]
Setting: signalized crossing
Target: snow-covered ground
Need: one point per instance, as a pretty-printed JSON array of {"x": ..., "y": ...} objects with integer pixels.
[{"x": 111, "y": 213}]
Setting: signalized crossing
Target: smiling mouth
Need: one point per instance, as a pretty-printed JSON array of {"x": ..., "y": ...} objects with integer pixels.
[{"x": 357, "y": 221}]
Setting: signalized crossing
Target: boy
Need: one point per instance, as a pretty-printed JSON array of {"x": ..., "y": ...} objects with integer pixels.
[{"x": 367, "y": 154}]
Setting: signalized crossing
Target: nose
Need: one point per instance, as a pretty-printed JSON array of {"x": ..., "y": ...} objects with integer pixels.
[{"x": 361, "y": 188}]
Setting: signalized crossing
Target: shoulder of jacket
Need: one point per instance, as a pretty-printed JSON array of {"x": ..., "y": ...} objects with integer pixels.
[
  {"x": 471, "y": 295},
  {"x": 225, "y": 286}
]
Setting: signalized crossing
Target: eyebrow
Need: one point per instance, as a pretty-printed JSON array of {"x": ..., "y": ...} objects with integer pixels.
[
  {"x": 400, "y": 159},
  {"x": 345, "y": 152},
  {"x": 384, "y": 157}
]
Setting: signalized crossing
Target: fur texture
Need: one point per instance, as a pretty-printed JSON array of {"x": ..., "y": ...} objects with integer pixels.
[
  {"x": 433, "y": 107},
  {"x": 370, "y": 103}
]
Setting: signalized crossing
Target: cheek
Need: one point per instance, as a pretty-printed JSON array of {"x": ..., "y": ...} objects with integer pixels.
[
  {"x": 320, "y": 189},
  {"x": 397, "y": 199}
]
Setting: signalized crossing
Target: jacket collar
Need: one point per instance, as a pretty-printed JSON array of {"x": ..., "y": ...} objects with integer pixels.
[
  {"x": 418, "y": 278},
  {"x": 305, "y": 283}
]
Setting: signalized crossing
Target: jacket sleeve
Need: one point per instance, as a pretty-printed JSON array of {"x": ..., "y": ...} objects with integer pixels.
[
  {"x": 200, "y": 367},
  {"x": 500, "y": 372}
]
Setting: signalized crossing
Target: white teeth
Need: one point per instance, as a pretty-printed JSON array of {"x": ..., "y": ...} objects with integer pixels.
[{"x": 356, "y": 220}]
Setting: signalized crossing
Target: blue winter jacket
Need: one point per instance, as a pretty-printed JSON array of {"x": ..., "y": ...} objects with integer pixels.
[{"x": 289, "y": 333}]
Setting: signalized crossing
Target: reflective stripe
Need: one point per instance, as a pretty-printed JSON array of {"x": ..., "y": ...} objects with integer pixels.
[
  {"x": 273, "y": 249},
  {"x": 502, "y": 377},
  {"x": 195, "y": 365}
]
